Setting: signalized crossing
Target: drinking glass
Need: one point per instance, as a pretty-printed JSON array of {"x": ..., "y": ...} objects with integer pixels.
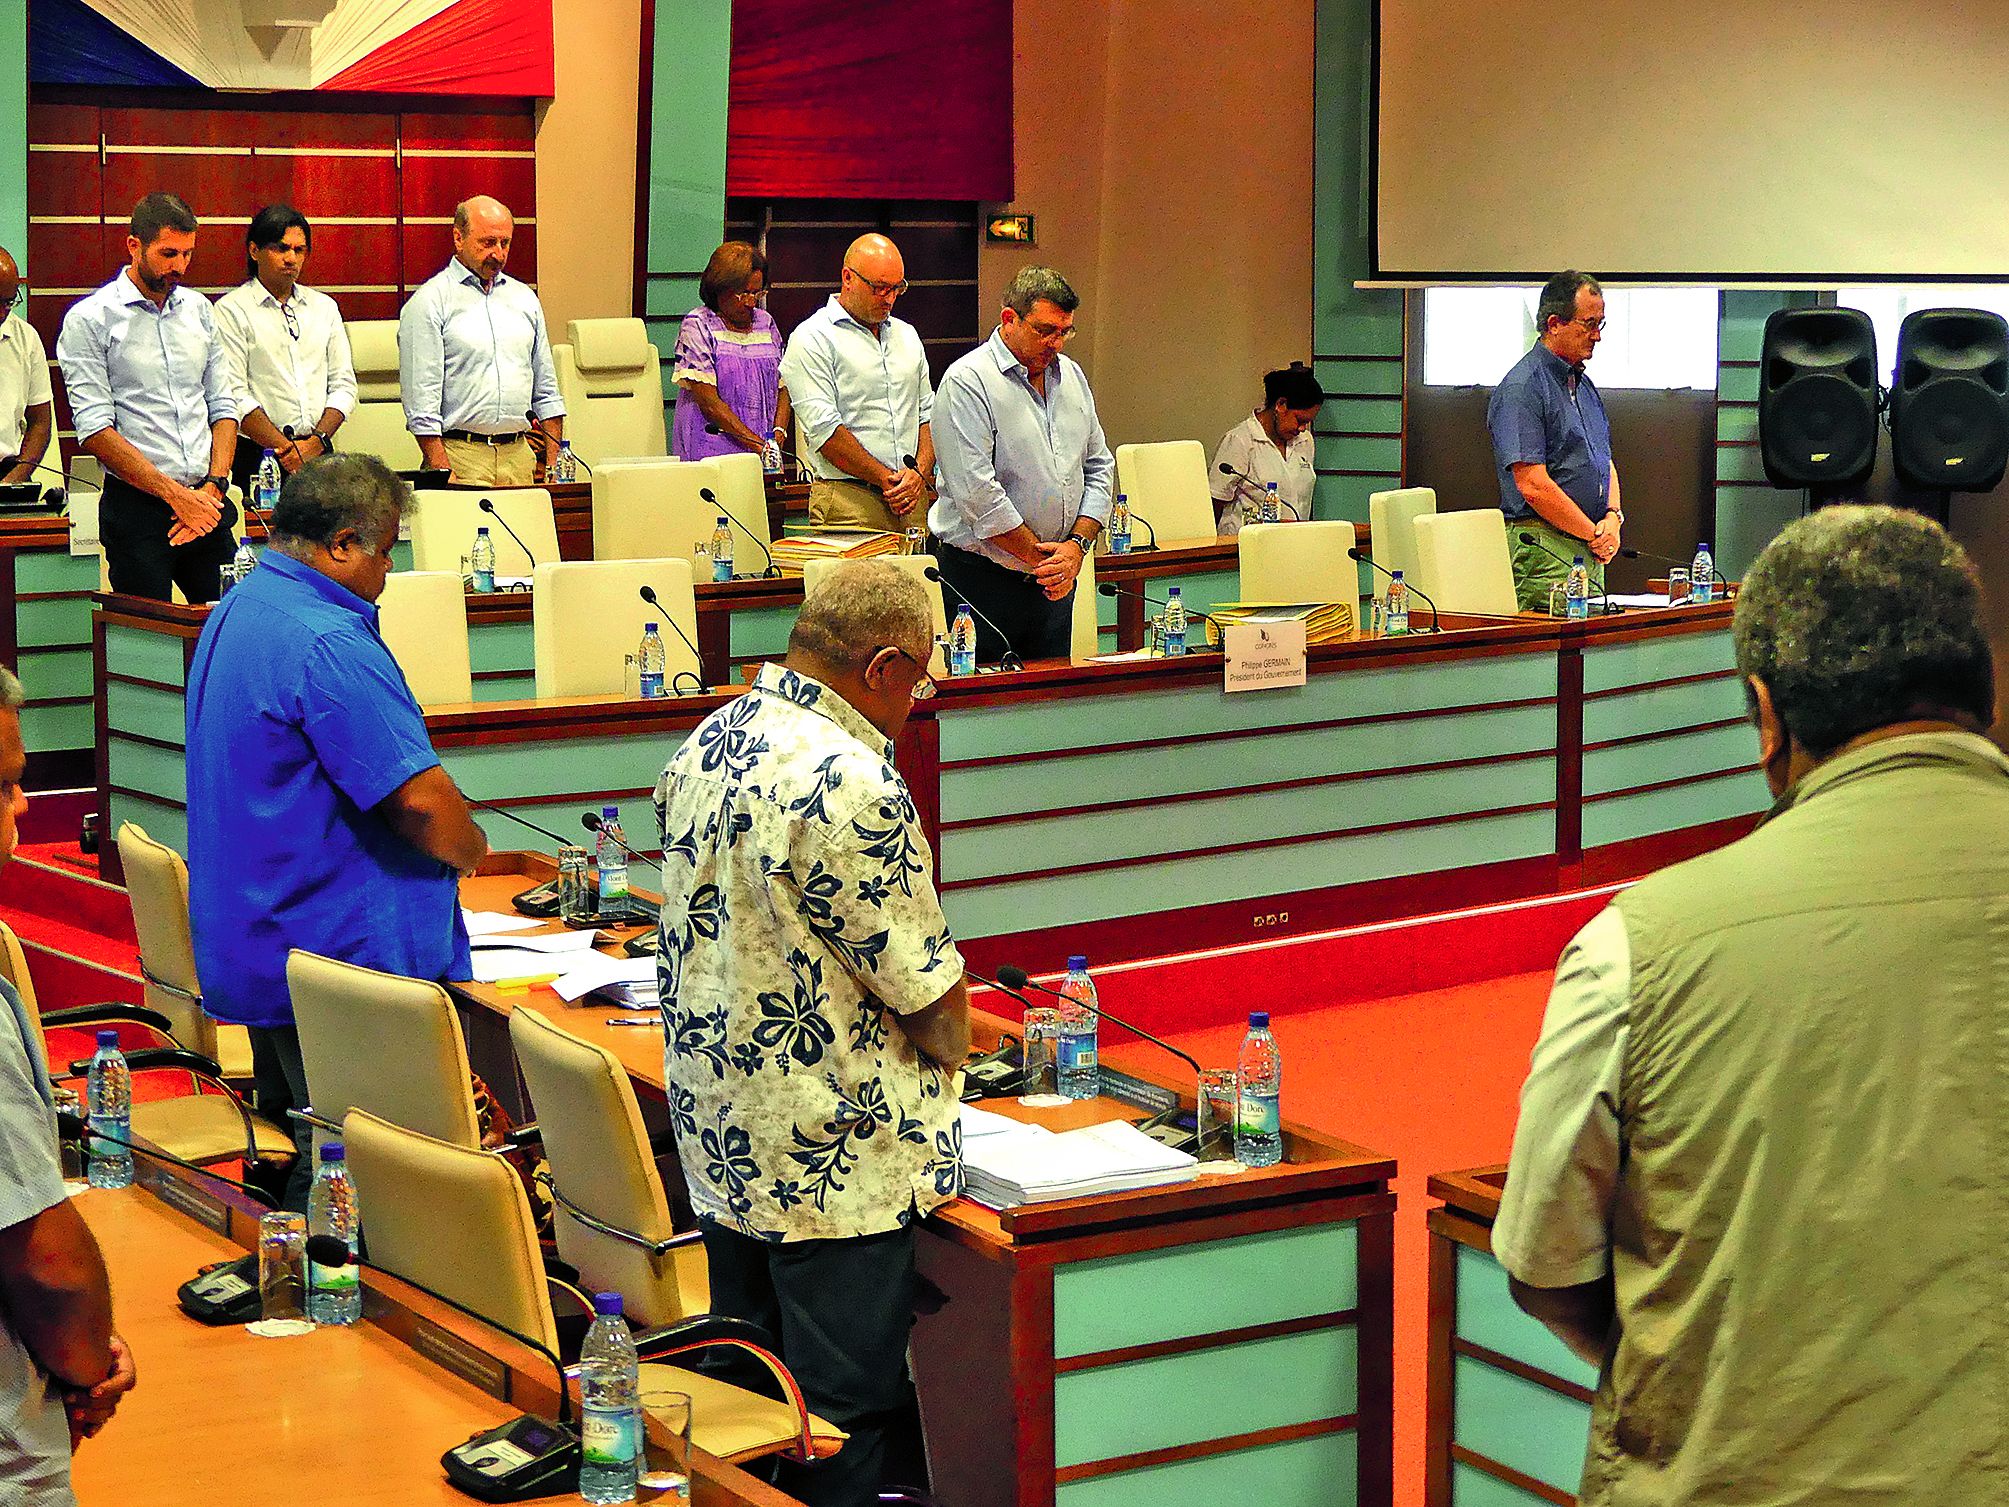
[
  {"x": 1559, "y": 601},
  {"x": 1377, "y": 616},
  {"x": 1041, "y": 1037},
  {"x": 911, "y": 542},
  {"x": 282, "y": 1275},
  {"x": 1216, "y": 1112},
  {"x": 578, "y": 900},
  {"x": 666, "y": 1468},
  {"x": 1677, "y": 585}
]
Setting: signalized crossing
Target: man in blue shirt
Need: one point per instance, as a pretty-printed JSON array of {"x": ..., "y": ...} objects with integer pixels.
[
  {"x": 1552, "y": 447},
  {"x": 1025, "y": 474},
  {"x": 148, "y": 386},
  {"x": 318, "y": 814}
]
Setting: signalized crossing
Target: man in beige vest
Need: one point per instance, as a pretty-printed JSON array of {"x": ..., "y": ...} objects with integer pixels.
[{"x": 1758, "y": 1176}]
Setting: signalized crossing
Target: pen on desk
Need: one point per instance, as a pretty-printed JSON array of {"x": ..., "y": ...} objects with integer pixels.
[{"x": 633, "y": 1020}]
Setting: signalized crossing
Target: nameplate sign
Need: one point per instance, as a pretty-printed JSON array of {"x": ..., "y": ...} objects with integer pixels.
[
  {"x": 1136, "y": 1092},
  {"x": 1262, "y": 656},
  {"x": 204, "y": 1208},
  {"x": 451, "y": 1353}
]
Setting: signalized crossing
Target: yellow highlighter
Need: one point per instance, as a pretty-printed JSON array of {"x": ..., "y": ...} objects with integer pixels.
[{"x": 516, "y": 986}]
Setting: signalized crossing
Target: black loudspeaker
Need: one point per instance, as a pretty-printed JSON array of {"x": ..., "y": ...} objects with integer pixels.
[
  {"x": 1949, "y": 404},
  {"x": 1817, "y": 398}
]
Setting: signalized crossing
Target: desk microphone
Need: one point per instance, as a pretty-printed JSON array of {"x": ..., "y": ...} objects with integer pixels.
[
  {"x": 503, "y": 811},
  {"x": 1262, "y": 494},
  {"x": 489, "y": 508},
  {"x": 1011, "y": 660},
  {"x": 1111, "y": 589},
  {"x": 648, "y": 594},
  {"x": 71, "y": 1126},
  {"x": 56, "y": 497},
  {"x": 1436, "y": 617},
  {"x": 595, "y": 823},
  {"x": 724, "y": 512},
  {"x": 1527, "y": 538},
  {"x": 1016, "y": 978}
]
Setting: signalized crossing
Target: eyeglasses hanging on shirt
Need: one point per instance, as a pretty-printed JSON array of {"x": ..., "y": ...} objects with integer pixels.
[{"x": 292, "y": 319}]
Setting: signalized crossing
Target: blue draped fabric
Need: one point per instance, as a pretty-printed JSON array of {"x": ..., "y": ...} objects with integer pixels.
[{"x": 69, "y": 43}]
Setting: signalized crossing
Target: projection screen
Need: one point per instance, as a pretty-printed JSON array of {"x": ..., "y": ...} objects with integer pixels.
[{"x": 1715, "y": 141}]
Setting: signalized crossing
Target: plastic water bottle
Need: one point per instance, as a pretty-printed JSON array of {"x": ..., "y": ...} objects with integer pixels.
[
  {"x": 1119, "y": 526},
  {"x": 1175, "y": 623},
  {"x": 1576, "y": 592},
  {"x": 1077, "y": 1058},
  {"x": 481, "y": 560},
  {"x": 242, "y": 563},
  {"x": 610, "y": 1401},
  {"x": 1259, "y": 1084},
  {"x": 334, "y": 1293},
  {"x": 265, "y": 492},
  {"x": 568, "y": 464},
  {"x": 652, "y": 658},
  {"x": 1269, "y": 510},
  {"x": 963, "y": 644},
  {"x": 1702, "y": 575},
  {"x": 721, "y": 550},
  {"x": 612, "y": 858},
  {"x": 770, "y": 457},
  {"x": 1397, "y": 621},
  {"x": 109, "y": 1102}
]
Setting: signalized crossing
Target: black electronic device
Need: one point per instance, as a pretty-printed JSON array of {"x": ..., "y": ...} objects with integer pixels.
[
  {"x": 1178, "y": 1128},
  {"x": 429, "y": 478},
  {"x": 28, "y": 497},
  {"x": 225, "y": 1293},
  {"x": 997, "y": 1074},
  {"x": 541, "y": 902},
  {"x": 644, "y": 944},
  {"x": 1817, "y": 399},
  {"x": 1949, "y": 400}
]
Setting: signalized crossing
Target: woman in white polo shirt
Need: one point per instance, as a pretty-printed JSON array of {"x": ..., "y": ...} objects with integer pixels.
[{"x": 1273, "y": 444}]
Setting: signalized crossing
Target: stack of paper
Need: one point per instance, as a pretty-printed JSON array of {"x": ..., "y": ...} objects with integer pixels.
[
  {"x": 1007, "y": 1163},
  {"x": 792, "y": 551},
  {"x": 625, "y": 981},
  {"x": 1324, "y": 622}
]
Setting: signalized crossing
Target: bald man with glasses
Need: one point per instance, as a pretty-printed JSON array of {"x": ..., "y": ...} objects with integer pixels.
[{"x": 858, "y": 378}]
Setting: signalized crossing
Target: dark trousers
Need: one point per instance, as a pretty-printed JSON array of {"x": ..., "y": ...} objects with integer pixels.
[
  {"x": 840, "y": 1310},
  {"x": 1035, "y": 627},
  {"x": 279, "y": 1083},
  {"x": 133, "y": 527}
]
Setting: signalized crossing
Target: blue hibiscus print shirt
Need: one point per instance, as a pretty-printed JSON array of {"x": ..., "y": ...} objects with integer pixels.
[{"x": 799, "y": 917}]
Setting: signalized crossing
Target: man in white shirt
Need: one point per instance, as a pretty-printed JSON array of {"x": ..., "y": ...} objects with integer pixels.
[
  {"x": 290, "y": 371},
  {"x": 858, "y": 378},
  {"x": 1273, "y": 444},
  {"x": 27, "y": 406},
  {"x": 474, "y": 359}
]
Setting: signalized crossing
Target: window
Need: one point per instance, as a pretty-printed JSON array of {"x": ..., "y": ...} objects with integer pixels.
[
  {"x": 1888, "y": 303},
  {"x": 1653, "y": 337}
]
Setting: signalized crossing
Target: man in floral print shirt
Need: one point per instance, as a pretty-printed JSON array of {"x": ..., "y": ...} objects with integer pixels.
[{"x": 815, "y": 1008}]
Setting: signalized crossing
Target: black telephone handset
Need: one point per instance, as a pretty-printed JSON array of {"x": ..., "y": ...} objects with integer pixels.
[
  {"x": 997, "y": 1074},
  {"x": 523, "y": 1458},
  {"x": 541, "y": 902},
  {"x": 226, "y": 1293},
  {"x": 1177, "y": 1128}
]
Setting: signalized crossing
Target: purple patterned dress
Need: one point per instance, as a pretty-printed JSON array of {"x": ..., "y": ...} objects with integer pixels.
[{"x": 745, "y": 366}]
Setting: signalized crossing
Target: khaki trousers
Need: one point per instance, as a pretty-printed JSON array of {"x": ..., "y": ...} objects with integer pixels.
[
  {"x": 511, "y": 465},
  {"x": 852, "y": 504}
]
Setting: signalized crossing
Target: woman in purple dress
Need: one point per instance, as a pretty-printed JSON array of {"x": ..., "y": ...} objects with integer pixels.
[{"x": 728, "y": 361}]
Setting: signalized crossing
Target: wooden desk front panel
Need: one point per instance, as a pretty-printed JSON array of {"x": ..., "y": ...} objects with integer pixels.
[{"x": 45, "y": 634}]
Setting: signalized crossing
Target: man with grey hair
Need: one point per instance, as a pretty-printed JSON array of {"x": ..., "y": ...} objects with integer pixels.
[
  {"x": 318, "y": 814},
  {"x": 62, "y": 1369},
  {"x": 1552, "y": 446},
  {"x": 1025, "y": 474},
  {"x": 474, "y": 359},
  {"x": 1758, "y": 1168},
  {"x": 815, "y": 1008}
]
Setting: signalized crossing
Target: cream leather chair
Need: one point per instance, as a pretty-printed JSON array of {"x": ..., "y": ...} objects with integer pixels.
[
  {"x": 1167, "y": 484},
  {"x": 1462, "y": 561},
  {"x": 1391, "y": 520},
  {"x": 444, "y": 524},
  {"x": 651, "y": 510},
  {"x": 586, "y": 617},
  {"x": 1086, "y": 639},
  {"x": 813, "y": 572},
  {"x": 611, "y": 379},
  {"x": 377, "y": 427},
  {"x": 378, "y": 1042},
  {"x": 457, "y": 1221},
  {"x": 1298, "y": 562},
  {"x": 742, "y": 487},
  {"x": 423, "y": 617}
]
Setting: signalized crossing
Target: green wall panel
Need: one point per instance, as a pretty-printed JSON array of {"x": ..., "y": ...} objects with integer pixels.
[
  {"x": 1740, "y": 793},
  {"x": 1672, "y": 758},
  {"x": 1662, "y": 709},
  {"x": 504, "y": 771},
  {"x": 145, "y": 711},
  {"x": 163, "y": 823},
  {"x": 1334, "y": 454},
  {"x": 50, "y": 673},
  {"x": 1519, "y": 1423},
  {"x": 515, "y": 688},
  {"x": 1201, "y": 592},
  {"x": 1737, "y": 384},
  {"x": 67, "y": 621},
  {"x": 1489, "y": 1316},
  {"x": 1474, "y": 1488},
  {"x": 14, "y": 131},
  {"x": 1319, "y": 1472},
  {"x": 763, "y": 633},
  {"x": 1359, "y": 374},
  {"x": 1345, "y": 497},
  {"x": 1204, "y": 1288},
  {"x": 1361, "y": 415},
  {"x": 147, "y": 656},
  {"x": 54, "y": 729},
  {"x": 54, "y": 570},
  {"x": 686, "y": 208},
  {"x": 1608, "y": 667},
  {"x": 500, "y": 646},
  {"x": 1203, "y": 1394},
  {"x": 154, "y": 771}
]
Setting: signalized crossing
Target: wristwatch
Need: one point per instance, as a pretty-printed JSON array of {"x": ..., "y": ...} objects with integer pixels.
[
  {"x": 1081, "y": 541},
  {"x": 221, "y": 483}
]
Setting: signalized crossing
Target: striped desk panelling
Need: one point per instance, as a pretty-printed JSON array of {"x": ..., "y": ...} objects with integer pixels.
[
  {"x": 1318, "y": 1471},
  {"x": 145, "y": 733},
  {"x": 552, "y": 782},
  {"x": 52, "y": 628},
  {"x": 1359, "y": 775},
  {"x": 502, "y": 661},
  {"x": 759, "y": 633},
  {"x": 1749, "y": 510}
]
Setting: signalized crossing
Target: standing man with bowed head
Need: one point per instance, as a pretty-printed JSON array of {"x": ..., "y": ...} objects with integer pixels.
[
  {"x": 1026, "y": 473},
  {"x": 147, "y": 380},
  {"x": 1552, "y": 446},
  {"x": 474, "y": 360},
  {"x": 858, "y": 378},
  {"x": 27, "y": 403},
  {"x": 318, "y": 814}
]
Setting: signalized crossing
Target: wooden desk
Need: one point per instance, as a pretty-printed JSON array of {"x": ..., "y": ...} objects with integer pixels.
[
  {"x": 45, "y": 635},
  {"x": 1508, "y": 1412},
  {"x": 356, "y": 1416}
]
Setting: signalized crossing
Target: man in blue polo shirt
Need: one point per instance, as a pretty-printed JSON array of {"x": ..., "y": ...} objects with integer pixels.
[
  {"x": 318, "y": 814},
  {"x": 1552, "y": 446}
]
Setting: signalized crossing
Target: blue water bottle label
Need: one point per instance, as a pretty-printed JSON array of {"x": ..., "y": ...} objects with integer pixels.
[
  {"x": 484, "y": 580},
  {"x": 721, "y": 569},
  {"x": 611, "y": 1436},
  {"x": 1077, "y": 1053},
  {"x": 652, "y": 687}
]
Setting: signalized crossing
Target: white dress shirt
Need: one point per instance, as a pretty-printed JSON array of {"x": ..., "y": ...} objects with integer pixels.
[
  {"x": 24, "y": 380},
  {"x": 838, "y": 372},
  {"x": 475, "y": 360},
  {"x": 293, "y": 369},
  {"x": 1249, "y": 449}
]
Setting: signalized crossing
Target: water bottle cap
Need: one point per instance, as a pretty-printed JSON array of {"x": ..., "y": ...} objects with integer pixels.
[
  {"x": 108, "y": 1038},
  {"x": 1171, "y": 591},
  {"x": 482, "y": 532},
  {"x": 1122, "y": 496},
  {"x": 332, "y": 1151},
  {"x": 1579, "y": 559},
  {"x": 1078, "y": 963},
  {"x": 1396, "y": 574},
  {"x": 721, "y": 520},
  {"x": 607, "y": 1304},
  {"x": 648, "y": 627},
  {"x": 271, "y": 454},
  {"x": 609, "y": 813},
  {"x": 1259, "y": 1020}
]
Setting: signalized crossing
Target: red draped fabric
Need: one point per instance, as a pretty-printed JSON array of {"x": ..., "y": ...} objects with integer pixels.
[{"x": 870, "y": 99}]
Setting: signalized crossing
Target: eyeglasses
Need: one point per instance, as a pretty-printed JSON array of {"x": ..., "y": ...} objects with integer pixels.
[
  {"x": 884, "y": 290},
  {"x": 292, "y": 319},
  {"x": 1592, "y": 325},
  {"x": 20, "y": 297},
  {"x": 1052, "y": 332},
  {"x": 923, "y": 689},
  {"x": 748, "y": 295}
]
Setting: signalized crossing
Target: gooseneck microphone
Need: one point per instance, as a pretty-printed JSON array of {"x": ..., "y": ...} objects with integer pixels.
[
  {"x": 1436, "y": 617},
  {"x": 1015, "y": 979},
  {"x": 1011, "y": 660},
  {"x": 488, "y": 506},
  {"x": 648, "y": 594},
  {"x": 1647, "y": 554},
  {"x": 724, "y": 512},
  {"x": 1111, "y": 589},
  {"x": 74, "y": 1127},
  {"x": 505, "y": 812},
  {"x": 1527, "y": 538},
  {"x": 1261, "y": 494},
  {"x": 594, "y": 822}
]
